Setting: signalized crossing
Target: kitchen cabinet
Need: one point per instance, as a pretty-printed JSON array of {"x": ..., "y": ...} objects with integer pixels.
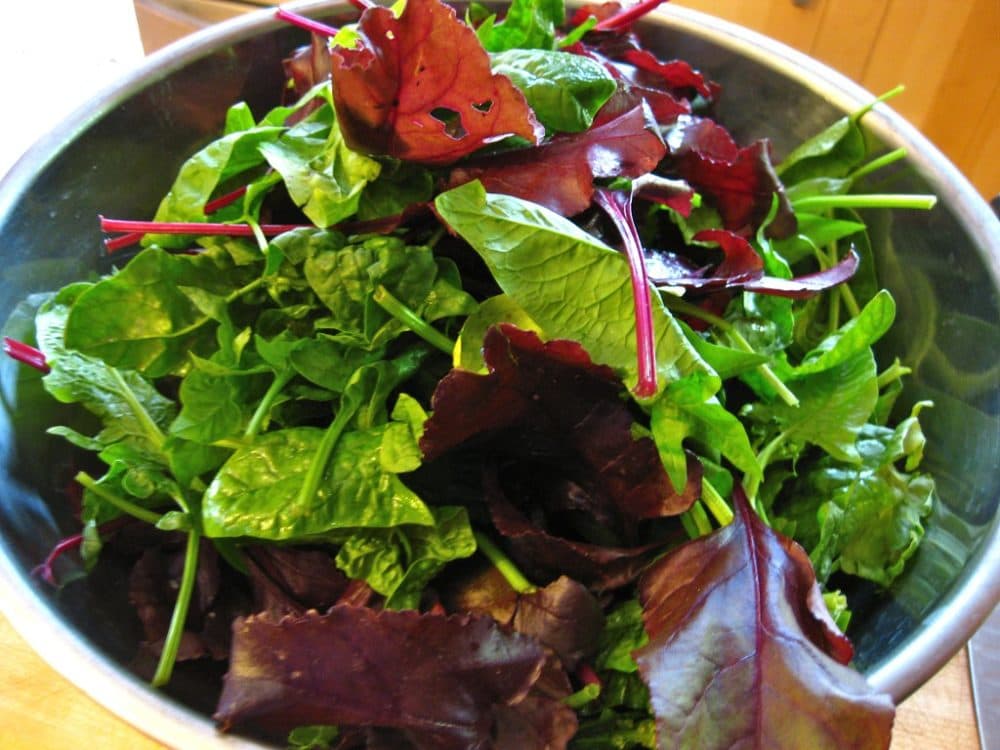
[{"x": 945, "y": 52}]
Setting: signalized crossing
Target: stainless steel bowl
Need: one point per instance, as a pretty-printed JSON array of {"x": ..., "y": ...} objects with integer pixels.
[{"x": 119, "y": 155}]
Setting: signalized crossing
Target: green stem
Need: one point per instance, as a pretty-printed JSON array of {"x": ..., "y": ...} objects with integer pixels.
[
  {"x": 684, "y": 307},
  {"x": 264, "y": 407},
  {"x": 699, "y": 518},
  {"x": 833, "y": 323},
  {"x": 153, "y": 432},
  {"x": 763, "y": 459},
  {"x": 383, "y": 297},
  {"x": 168, "y": 656},
  {"x": 814, "y": 203},
  {"x": 876, "y": 164},
  {"x": 504, "y": 565},
  {"x": 893, "y": 373},
  {"x": 783, "y": 391},
  {"x": 244, "y": 289},
  {"x": 126, "y": 506},
  {"x": 849, "y": 300},
  {"x": 323, "y": 452},
  {"x": 715, "y": 503},
  {"x": 583, "y": 696},
  {"x": 690, "y": 527}
]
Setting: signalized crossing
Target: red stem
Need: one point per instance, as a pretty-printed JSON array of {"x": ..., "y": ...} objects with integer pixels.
[
  {"x": 25, "y": 354},
  {"x": 362, "y": 5},
  {"x": 224, "y": 200},
  {"x": 304, "y": 23},
  {"x": 193, "y": 227},
  {"x": 627, "y": 16},
  {"x": 618, "y": 205},
  {"x": 46, "y": 572}
]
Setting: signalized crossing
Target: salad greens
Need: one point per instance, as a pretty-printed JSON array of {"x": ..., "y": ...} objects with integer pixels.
[{"x": 507, "y": 404}]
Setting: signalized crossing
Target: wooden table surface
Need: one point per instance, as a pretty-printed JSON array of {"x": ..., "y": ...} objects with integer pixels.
[{"x": 40, "y": 710}]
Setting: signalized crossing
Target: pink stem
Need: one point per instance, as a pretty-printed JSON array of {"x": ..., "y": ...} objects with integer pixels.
[
  {"x": 25, "y": 354},
  {"x": 224, "y": 200},
  {"x": 46, "y": 569},
  {"x": 304, "y": 23},
  {"x": 618, "y": 205},
  {"x": 627, "y": 16},
  {"x": 193, "y": 227},
  {"x": 362, "y": 5}
]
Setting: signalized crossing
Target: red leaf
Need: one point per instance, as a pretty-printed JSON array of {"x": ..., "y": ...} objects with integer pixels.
[
  {"x": 742, "y": 652},
  {"x": 554, "y": 390},
  {"x": 420, "y": 88},
  {"x": 436, "y": 680},
  {"x": 560, "y": 175},
  {"x": 740, "y": 182}
]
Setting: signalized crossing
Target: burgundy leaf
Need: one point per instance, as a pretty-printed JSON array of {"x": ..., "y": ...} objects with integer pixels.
[
  {"x": 560, "y": 174},
  {"x": 287, "y": 580},
  {"x": 674, "y": 194},
  {"x": 435, "y": 680},
  {"x": 742, "y": 652},
  {"x": 564, "y": 616},
  {"x": 554, "y": 390},
  {"x": 544, "y": 556},
  {"x": 420, "y": 88},
  {"x": 152, "y": 590},
  {"x": 810, "y": 284},
  {"x": 538, "y": 722},
  {"x": 740, "y": 182},
  {"x": 308, "y": 65},
  {"x": 677, "y": 75}
]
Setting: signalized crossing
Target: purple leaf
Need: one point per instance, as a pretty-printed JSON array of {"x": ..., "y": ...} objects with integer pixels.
[
  {"x": 553, "y": 390},
  {"x": 740, "y": 182},
  {"x": 742, "y": 652},
  {"x": 560, "y": 174},
  {"x": 419, "y": 87},
  {"x": 435, "y": 680},
  {"x": 810, "y": 284},
  {"x": 563, "y": 616},
  {"x": 287, "y": 580}
]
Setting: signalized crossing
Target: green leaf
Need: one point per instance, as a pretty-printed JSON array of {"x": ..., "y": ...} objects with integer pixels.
[
  {"x": 490, "y": 312},
  {"x": 623, "y": 633},
  {"x": 726, "y": 361},
  {"x": 256, "y": 492},
  {"x": 854, "y": 337},
  {"x": 570, "y": 283},
  {"x": 834, "y": 406},
  {"x": 528, "y": 24},
  {"x": 329, "y": 363},
  {"x": 564, "y": 90},
  {"x": 401, "y": 443},
  {"x": 399, "y": 563},
  {"x": 865, "y": 519},
  {"x": 814, "y": 231},
  {"x": 179, "y": 303},
  {"x": 323, "y": 176},
  {"x": 683, "y": 413},
  {"x": 399, "y": 185}
]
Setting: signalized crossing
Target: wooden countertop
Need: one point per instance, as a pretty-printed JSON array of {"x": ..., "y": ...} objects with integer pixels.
[{"x": 40, "y": 710}]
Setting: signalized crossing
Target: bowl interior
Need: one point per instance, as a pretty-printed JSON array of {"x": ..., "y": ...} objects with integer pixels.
[{"x": 120, "y": 156}]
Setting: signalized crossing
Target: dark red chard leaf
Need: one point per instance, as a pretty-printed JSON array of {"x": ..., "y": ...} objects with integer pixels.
[
  {"x": 564, "y": 616},
  {"x": 674, "y": 194},
  {"x": 553, "y": 390},
  {"x": 743, "y": 268},
  {"x": 802, "y": 287},
  {"x": 435, "y": 680},
  {"x": 308, "y": 65},
  {"x": 739, "y": 182},
  {"x": 287, "y": 580},
  {"x": 560, "y": 175},
  {"x": 676, "y": 75},
  {"x": 544, "y": 556},
  {"x": 538, "y": 722},
  {"x": 420, "y": 88},
  {"x": 152, "y": 590},
  {"x": 742, "y": 652}
]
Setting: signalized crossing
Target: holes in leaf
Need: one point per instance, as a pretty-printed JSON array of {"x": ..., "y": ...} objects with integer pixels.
[
  {"x": 483, "y": 107},
  {"x": 451, "y": 120}
]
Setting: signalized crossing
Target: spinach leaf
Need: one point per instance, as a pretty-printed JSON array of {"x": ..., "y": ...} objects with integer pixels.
[
  {"x": 400, "y": 561},
  {"x": 528, "y": 24},
  {"x": 564, "y": 90},
  {"x": 256, "y": 492},
  {"x": 865, "y": 519},
  {"x": 323, "y": 176},
  {"x": 570, "y": 283}
]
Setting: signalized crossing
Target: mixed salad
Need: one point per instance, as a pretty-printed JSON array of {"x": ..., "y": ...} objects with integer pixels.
[{"x": 474, "y": 397}]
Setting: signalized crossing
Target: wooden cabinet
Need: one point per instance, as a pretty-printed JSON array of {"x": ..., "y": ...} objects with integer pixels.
[{"x": 946, "y": 53}]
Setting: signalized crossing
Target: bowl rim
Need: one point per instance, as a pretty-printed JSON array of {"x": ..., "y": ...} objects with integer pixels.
[{"x": 970, "y": 600}]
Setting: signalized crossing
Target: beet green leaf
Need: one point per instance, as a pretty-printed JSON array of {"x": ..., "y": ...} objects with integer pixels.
[{"x": 736, "y": 619}]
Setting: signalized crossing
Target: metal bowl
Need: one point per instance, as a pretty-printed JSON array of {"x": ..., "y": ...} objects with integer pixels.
[{"x": 119, "y": 155}]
